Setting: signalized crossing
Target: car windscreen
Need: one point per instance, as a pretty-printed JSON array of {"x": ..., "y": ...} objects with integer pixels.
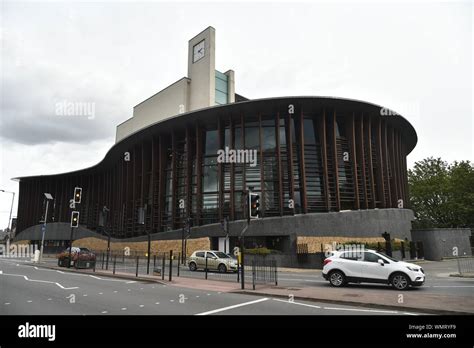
[{"x": 221, "y": 255}]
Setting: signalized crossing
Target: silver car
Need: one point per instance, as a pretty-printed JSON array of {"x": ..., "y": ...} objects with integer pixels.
[{"x": 216, "y": 260}]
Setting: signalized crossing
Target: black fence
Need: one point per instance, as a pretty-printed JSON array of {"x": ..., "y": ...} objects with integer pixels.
[
  {"x": 158, "y": 264},
  {"x": 167, "y": 265},
  {"x": 264, "y": 270}
]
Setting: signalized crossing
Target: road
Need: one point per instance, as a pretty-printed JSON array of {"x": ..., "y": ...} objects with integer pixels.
[
  {"x": 438, "y": 280},
  {"x": 29, "y": 290}
]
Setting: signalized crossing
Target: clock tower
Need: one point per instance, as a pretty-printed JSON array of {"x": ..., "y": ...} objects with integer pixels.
[{"x": 201, "y": 69}]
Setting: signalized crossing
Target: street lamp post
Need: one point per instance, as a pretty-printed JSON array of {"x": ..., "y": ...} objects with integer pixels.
[
  {"x": 48, "y": 198},
  {"x": 11, "y": 209}
]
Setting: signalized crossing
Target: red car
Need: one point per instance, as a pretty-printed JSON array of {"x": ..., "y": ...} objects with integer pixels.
[{"x": 80, "y": 258}]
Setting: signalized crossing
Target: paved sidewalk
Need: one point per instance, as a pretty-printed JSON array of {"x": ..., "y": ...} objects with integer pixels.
[{"x": 411, "y": 300}]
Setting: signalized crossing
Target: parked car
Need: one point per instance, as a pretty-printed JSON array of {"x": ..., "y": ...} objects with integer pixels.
[
  {"x": 370, "y": 266},
  {"x": 80, "y": 258},
  {"x": 216, "y": 260}
]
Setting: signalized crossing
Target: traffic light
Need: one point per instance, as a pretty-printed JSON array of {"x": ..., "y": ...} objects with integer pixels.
[
  {"x": 75, "y": 219},
  {"x": 77, "y": 194},
  {"x": 254, "y": 200}
]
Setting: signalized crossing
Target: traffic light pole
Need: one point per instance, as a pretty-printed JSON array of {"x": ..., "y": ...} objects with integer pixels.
[{"x": 70, "y": 247}]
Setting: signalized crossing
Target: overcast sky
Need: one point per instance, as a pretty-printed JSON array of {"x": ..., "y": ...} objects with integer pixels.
[{"x": 415, "y": 58}]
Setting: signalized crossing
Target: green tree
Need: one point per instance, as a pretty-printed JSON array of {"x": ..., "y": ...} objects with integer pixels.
[{"x": 442, "y": 195}]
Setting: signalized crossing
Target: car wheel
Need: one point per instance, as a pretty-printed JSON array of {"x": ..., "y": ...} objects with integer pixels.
[
  {"x": 222, "y": 268},
  {"x": 400, "y": 281},
  {"x": 192, "y": 266},
  {"x": 337, "y": 278}
]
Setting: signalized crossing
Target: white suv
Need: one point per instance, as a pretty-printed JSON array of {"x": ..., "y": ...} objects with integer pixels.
[{"x": 370, "y": 266}]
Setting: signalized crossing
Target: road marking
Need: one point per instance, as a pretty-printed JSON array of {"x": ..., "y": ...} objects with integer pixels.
[
  {"x": 104, "y": 312},
  {"x": 40, "y": 281},
  {"x": 115, "y": 291},
  {"x": 50, "y": 299},
  {"x": 124, "y": 309},
  {"x": 141, "y": 306},
  {"x": 234, "y": 306},
  {"x": 197, "y": 296},
  {"x": 101, "y": 293},
  {"x": 171, "y": 300},
  {"x": 84, "y": 295},
  {"x": 297, "y": 303},
  {"x": 407, "y": 313},
  {"x": 7, "y": 303},
  {"x": 29, "y": 301},
  {"x": 157, "y": 303},
  {"x": 452, "y": 286},
  {"x": 359, "y": 310},
  {"x": 131, "y": 282}
]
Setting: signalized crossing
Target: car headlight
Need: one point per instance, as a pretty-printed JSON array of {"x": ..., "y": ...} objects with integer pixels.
[{"x": 412, "y": 269}]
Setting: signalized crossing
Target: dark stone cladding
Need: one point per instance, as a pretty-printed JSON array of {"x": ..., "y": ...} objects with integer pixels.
[{"x": 357, "y": 224}]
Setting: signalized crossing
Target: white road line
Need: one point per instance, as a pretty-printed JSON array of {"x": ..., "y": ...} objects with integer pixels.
[
  {"x": 297, "y": 303},
  {"x": 40, "y": 281},
  {"x": 452, "y": 286},
  {"x": 50, "y": 299},
  {"x": 157, "y": 303},
  {"x": 124, "y": 309},
  {"x": 29, "y": 301},
  {"x": 104, "y": 312},
  {"x": 7, "y": 303},
  {"x": 359, "y": 310},
  {"x": 84, "y": 295},
  {"x": 101, "y": 293},
  {"x": 141, "y": 306},
  {"x": 234, "y": 306},
  {"x": 408, "y": 313}
]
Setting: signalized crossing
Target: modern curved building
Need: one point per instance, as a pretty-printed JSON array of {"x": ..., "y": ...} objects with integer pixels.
[{"x": 322, "y": 167}]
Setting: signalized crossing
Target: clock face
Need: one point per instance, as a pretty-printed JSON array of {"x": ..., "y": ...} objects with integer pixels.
[{"x": 198, "y": 51}]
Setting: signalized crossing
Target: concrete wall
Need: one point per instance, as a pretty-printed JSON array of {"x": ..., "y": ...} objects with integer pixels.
[
  {"x": 171, "y": 101},
  {"x": 438, "y": 243},
  {"x": 354, "y": 224}
]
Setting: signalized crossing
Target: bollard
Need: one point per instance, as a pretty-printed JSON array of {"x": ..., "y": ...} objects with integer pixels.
[
  {"x": 102, "y": 267},
  {"x": 154, "y": 261},
  {"x": 115, "y": 261},
  {"x": 276, "y": 272},
  {"x": 163, "y": 265},
  {"x": 171, "y": 266},
  {"x": 179, "y": 258},
  {"x": 94, "y": 266},
  {"x": 253, "y": 274},
  {"x": 206, "y": 267},
  {"x": 136, "y": 273}
]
